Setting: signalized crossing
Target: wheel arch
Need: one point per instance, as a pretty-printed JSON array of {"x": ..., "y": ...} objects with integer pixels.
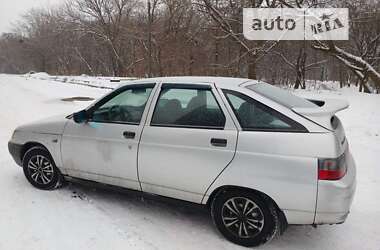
[
  {"x": 32, "y": 144},
  {"x": 267, "y": 198}
]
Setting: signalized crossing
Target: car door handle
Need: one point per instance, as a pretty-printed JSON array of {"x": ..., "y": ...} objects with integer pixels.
[
  {"x": 218, "y": 142},
  {"x": 129, "y": 135}
]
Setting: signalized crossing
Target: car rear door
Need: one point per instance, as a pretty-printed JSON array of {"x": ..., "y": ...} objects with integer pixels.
[{"x": 188, "y": 140}]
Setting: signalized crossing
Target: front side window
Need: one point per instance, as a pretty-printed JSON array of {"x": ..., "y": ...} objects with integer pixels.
[
  {"x": 126, "y": 106},
  {"x": 188, "y": 107},
  {"x": 253, "y": 115}
]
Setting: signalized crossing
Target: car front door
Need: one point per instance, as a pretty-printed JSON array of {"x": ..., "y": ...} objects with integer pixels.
[
  {"x": 188, "y": 140},
  {"x": 104, "y": 148}
]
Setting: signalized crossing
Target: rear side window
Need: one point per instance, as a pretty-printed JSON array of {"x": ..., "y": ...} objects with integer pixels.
[
  {"x": 255, "y": 116},
  {"x": 188, "y": 107}
]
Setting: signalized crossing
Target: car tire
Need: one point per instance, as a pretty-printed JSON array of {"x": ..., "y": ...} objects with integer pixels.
[
  {"x": 244, "y": 217},
  {"x": 40, "y": 169}
]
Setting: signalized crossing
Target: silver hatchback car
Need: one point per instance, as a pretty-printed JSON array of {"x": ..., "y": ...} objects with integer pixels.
[{"x": 258, "y": 156}]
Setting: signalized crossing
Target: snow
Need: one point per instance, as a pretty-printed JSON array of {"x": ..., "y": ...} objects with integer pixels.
[
  {"x": 98, "y": 81},
  {"x": 87, "y": 217}
]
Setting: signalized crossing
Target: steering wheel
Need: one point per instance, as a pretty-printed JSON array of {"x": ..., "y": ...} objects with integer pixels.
[
  {"x": 115, "y": 114},
  {"x": 118, "y": 113}
]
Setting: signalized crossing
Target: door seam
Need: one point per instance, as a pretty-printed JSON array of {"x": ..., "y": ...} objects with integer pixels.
[
  {"x": 236, "y": 144},
  {"x": 233, "y": 157},
  {"x": 158, "y": 85}
]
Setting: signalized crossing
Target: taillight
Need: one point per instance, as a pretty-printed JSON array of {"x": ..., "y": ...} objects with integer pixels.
[{"x": 332, "y": 169}]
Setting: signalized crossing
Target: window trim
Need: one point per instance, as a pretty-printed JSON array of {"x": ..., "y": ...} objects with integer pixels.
[
  {"x": 185, "y": 86},
  {"x": 186, "y": 126},
  {"x": 113, "y": 94},
  {"x": 165, "y": 86},
  {"x": 295, "y": 127}
]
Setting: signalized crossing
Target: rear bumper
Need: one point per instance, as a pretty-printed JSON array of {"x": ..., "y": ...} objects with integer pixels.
[
  {"x": 15, "y": 150},
  {"x": 330, "y": 218},
  {"x": 335, "y": 197}
]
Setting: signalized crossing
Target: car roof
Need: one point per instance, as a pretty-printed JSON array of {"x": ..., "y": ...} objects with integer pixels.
[{"x": 220, "y": 82}]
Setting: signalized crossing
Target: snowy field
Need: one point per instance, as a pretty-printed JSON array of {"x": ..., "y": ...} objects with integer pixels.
[{"x": 83, "y": 217}]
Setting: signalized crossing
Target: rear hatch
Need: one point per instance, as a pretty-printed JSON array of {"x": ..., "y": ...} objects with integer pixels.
[{"x": 322, "y": 113}]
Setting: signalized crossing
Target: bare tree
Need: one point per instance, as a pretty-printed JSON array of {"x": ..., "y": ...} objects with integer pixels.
[
  {"x": 227, "y": 15},
  {"x": 299, "y": 66},
  {"x": 104, "y": 20},
  {"x": 362, "y": 69},
  {"x": 359, "y": 66},
  {"x": 188, "y": 37}
]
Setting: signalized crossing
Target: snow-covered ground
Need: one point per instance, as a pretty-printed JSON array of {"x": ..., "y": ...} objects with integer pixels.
[
  {"x": 91, "y": 81},
  {"x": 82, "y": 217}
]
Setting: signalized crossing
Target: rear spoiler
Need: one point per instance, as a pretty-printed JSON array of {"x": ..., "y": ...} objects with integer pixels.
[{"x": 323, "y": 114}]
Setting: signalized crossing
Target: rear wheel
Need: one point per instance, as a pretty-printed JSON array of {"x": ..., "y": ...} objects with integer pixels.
[
  {"x": 245, "y": 217},
  {"x": 40, "y": 170}
]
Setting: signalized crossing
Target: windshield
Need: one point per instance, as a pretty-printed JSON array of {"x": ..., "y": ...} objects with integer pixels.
[{"x": 281, "y": 96}]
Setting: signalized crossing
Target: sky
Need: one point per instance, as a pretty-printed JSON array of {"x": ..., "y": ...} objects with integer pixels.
[{"x": 11, "y": 10}]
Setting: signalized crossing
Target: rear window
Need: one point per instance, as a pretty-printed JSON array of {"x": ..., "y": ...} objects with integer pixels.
[
  {"x": 255, "y": 116},
  {"x": 281, "y": 96}
]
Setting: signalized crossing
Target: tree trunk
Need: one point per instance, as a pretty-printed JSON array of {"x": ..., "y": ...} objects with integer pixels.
[
  {"x": 216, "y": 52},
  {"x": 191, "y": 63},
  {"x": 252, "y": 71},
  {"x": 300, "y": 69},
  {"x": 365, "y": 85},
  {"x": 341, "y": 77},
  {"x": 150, "y": 22},
  {"x": 252, "y": 64},
  {"x": 298, "y": 81},
  {"x": 43, "y": 64}
]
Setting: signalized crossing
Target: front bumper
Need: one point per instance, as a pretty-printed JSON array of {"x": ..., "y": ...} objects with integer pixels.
[
  {"x": 15, "y": 150},
  {"x": 335, "y": 197}
]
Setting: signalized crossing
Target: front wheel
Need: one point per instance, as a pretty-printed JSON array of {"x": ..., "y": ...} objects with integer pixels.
[
  {"x": 245, "y": 217},
  {"x": 40, "y": 170}
]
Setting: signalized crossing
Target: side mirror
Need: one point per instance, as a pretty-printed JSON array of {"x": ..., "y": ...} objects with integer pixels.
[{"x": 80, "y": 117}]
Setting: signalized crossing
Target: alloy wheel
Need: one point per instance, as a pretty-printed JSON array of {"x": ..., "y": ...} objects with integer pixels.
[
  {"x": 40, "y": 169},
  {"x": 242, "y": 217}
]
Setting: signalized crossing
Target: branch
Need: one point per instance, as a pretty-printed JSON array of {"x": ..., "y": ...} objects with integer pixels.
[
  {"x": 315, "y": 64},
  {"x": 134, "y": 63},
  {"x": 293, "y": 66}
]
